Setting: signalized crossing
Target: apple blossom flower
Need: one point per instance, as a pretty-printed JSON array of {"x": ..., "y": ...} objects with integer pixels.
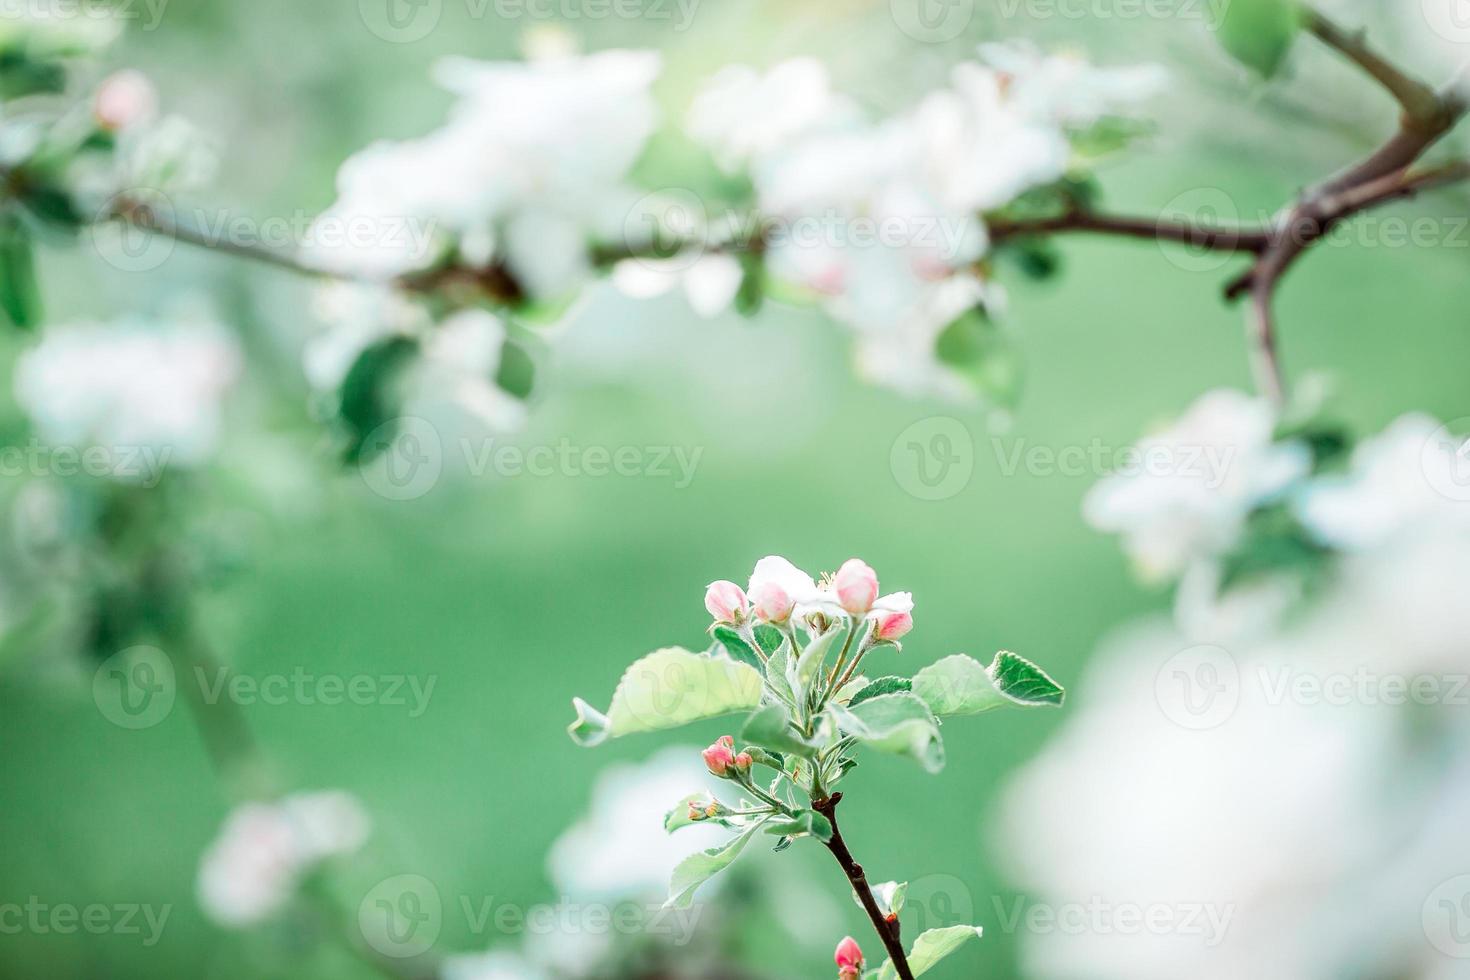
[
  {"x": 130, "y": 384},
  {"x": 265, "y": 850},
  {"x": 725, "y": 602},
  {"x": 1187, "y": 496},
  {"x": 856, "y": 586},
  {"x": 777, "y": 587},
  {"x": 742, "y": 115},
  {"x": 124, "y": 99},
  {"x": 524, "y": 169},
  {"x": 720, "y": 756},
  {"x": 849, "y": 958}
]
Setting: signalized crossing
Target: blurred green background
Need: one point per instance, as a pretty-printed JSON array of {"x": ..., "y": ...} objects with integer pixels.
[{"x": 517, "y": 593}]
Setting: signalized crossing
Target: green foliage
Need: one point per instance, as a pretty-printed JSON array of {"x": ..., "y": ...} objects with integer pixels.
[
  {"x": 883, "y": 685},
  {"x": 517, "y": 372},
  {"x": 368, "y": 401},
  {"x": 899, "y": 723},
  {"x": 734, "y": 644},
  {"x": 771, "y": 728},
  {"x": 983, "y": 352},
  {"x": 804, "y": 823},
  {"x": 698, "y": 868},
  {"x": 669, "y": 688},
  {"x": 959, "y": 685},
  {"x": 19, "y": 294},
  {"x": 1259, "y": 33},
  {"x": 930, "y": 948}
]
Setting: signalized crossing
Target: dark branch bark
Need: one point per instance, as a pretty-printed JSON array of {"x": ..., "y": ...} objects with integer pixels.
[
  {"x": 888, "y": 932},
  {"x": 1252, "y": 240}
]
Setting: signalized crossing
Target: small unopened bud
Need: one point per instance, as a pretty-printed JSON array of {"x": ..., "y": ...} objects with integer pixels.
[
  {"x": 720, "y": 756},
  {"x": 725, "y": 602},
  {"x": 849, "y": 957},
  {"x": 124, "y": 99},
  {"x": 856, "y": 586},
  {"x": 695, "y": 813},
  {"x": 743, "y": 761},
  {"x": 892, "y": 625},
  {"x": 712, "y": 811}
]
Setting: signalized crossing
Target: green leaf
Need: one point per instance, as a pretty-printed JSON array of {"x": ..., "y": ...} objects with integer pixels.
[
  {"x": 806, "y": 823},
  {"x": 936, "y": 944},
  {"x": 678, "y": 817},
  {"x": 751, "y": 294},
  {"x": 778, "y": 675},
  {"x": 20, "y": 296},
  {"x": 590, "y": 726},
  {"x": 736, "y": 646},
  {"x": 1259, "y": 33},
  {"x": 517, "y": 372},
  {"x": 809, "y": 664},
  {"x": 898, "y": 723},
  {"x": 368, "y": 401},
  {"x": 883, "y": 685},
  {"x": 959, "y": 685},
  {"x": 669, "y": 688},
  {"x": 981, "y": 350},
  {"x": 698, "y": 868},
  {"x": 770, "y": 727},
  {"x": 769, "y": 638},
  {"x": 889, "y": 896}
]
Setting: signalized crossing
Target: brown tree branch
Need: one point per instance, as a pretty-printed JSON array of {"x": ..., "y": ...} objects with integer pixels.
[
  {"x": 888, "y": 931},
  {"x": 1418, "y": 100},
  {"x": 1156, "y": 229}
]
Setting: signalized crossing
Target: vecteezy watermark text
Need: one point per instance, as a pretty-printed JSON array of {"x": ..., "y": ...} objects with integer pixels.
[{"x": 39, "y": 917}]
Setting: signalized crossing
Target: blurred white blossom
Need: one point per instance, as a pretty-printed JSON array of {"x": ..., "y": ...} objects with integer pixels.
[
  {"x": 130, "y": 384},
  {"x": 529, "y": 166},
  {"x": 264, "y": 850},
  {"x": 620, "y": 849},
  {"x": 1187, "y": 490}
]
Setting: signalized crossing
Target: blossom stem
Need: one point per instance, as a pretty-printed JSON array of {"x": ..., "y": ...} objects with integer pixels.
[{"x": 888, "y": 931}]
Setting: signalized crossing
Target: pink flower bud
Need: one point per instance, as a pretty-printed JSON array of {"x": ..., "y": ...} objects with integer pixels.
[
  {"x": 124, "y": 99},
  {"x": 720, "y": 756},
  {"x": 849, "y": 957},
  {"x": 725, "y": 602},
  {"x": 772, "y": 603},
  {"x": 743, "y": 762},
  {"x": 856, "y": 586},
  {"x": 892, "y": 625}
]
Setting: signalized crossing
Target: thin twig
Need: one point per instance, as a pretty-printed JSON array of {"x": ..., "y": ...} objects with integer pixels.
[
  {"x": 889, "y": 931},
  {"x": 1419, "y": 101},
  {"x": 1154, "y": 229}
]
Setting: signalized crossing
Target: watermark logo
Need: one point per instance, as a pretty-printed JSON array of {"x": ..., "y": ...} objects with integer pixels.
[
  {"x": 135, "y": 688},
  {"x": 128, "y": 244},
  {"x": 400, "y": 21},
  {"x": 934, "y": 458},
  {"x": 1445, "y": 460},
  {"x": 1198, "y": 688},
  {"x": 932, "y": 21},
  {"x": 1206, "y": 207},
  {"x": 1450, "y": 19},
  {"x": 1446, "y": 917},
  {"x": 401, "y": 916},
  {"x": 403, "y": 459},
  {"x": 1097, "y": 917},
  {"x": 938, "y": 901},
  {"x": 39, "y": 917}
]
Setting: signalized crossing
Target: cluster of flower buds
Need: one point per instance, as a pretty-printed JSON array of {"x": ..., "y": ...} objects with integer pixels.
[
  {"x": 706, "y": 810},
  {"x": 780, "y": 592},
  {"x": 722, "y": 758},
  {"x": 849, "y": 957}
]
